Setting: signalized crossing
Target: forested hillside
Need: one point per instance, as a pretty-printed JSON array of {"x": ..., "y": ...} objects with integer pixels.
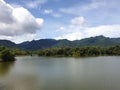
[{"x": 51, "y": 43}]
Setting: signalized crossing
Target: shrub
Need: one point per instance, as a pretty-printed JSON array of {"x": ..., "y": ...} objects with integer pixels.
[{"x": 6, "y": 55}]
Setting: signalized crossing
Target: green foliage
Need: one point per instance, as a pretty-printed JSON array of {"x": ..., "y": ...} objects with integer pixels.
[
  {"x": 6, "y": 55},
  {"x": 80, "y": 51},
  {"x": 20, "y": 52}
]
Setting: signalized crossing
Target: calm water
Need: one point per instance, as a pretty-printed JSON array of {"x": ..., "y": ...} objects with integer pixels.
[{"x": 43, "y": 73}]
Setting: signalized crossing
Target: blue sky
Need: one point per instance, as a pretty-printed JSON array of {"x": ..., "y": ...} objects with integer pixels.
[{"x": 59, "y": 19}]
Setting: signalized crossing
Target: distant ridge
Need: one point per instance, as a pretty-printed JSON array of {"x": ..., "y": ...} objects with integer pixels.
[
  {"x": 48, "y": 43},
  {"x": 8, "y": 44}
]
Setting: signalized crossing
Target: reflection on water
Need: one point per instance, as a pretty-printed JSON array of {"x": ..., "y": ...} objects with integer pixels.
[
  {"x": 4, "y": 70},
  {"x": 5, "y": 67},
  {"x": 22, "y": 82},
  {"x": 44, "y": 73}
]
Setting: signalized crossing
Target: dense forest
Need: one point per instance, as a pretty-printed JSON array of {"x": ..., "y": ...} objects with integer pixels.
[
  {"x": 80, "y": 51},
  {"x": 85, "y": 51}
]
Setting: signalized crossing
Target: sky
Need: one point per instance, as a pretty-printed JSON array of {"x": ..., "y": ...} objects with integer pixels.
[{"x": 26, "y": 20}]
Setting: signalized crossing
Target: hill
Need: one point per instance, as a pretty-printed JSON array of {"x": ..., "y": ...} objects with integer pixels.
[
  {"x": 38, "y": 44},
  {"x": 8, "y": 44},
  {"x": 48, "y": 43},
  {"x": 97, "y": 41}
]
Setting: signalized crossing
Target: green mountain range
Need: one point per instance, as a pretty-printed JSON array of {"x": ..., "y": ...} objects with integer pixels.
[{"x": 49, "y": 43}]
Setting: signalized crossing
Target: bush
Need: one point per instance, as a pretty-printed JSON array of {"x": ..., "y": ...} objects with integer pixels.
[{"x": 6, "y": 55}]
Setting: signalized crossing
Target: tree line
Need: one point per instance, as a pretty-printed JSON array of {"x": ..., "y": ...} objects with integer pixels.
[
  {"x": 80, "y": 51},
  {"x": 9, "y": 54}
]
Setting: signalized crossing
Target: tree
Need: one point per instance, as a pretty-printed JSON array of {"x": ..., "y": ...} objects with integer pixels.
[{"x": 6, "y": 55}]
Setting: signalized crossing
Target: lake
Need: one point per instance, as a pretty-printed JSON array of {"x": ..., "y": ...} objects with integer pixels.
[{"x": 63, "y": 73}]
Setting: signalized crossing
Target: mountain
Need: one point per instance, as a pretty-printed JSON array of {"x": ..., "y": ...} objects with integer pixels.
[
  {"x": 98, "y": 40},
  {"x": 38, "y": 44},
  {"x": 8, "y": 44},
  {"x": 48, "y": 43}
]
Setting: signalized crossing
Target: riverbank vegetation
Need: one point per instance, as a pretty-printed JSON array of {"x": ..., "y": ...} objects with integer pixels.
[
  {"x": 80, "y": 51},
  {"x": 6, "y": 54},
  {"x": 9, "y": 54}
]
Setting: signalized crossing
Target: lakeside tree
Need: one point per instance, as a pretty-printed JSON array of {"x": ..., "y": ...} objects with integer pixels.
[
  {"x": 80, "y": 51},
  {"x": 6, "y": 55}
]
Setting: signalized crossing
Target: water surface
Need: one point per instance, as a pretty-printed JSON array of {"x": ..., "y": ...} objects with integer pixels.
[{"x": 48, "y": 73}]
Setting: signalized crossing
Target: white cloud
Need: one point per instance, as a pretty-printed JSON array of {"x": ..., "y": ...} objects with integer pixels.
[
  {"x": 106, "y": 30},
  {"x": 51, "y": 12},
  {"x": 62, "y": 28},
  {"x": 27, "y": 37},
  {"x": 57, "y": 15},
  {"x": 48, "y": 11},
  {"x": 73, "y": 32},
  {"x": 5, "y": 15},
  {"x": 19, "y": 39},
  {"x": 17, "y": 21},
  {"x": 78, "y": 21},
  {"x": 70, "y": 36},
  {"x": 34, "y": 3}
]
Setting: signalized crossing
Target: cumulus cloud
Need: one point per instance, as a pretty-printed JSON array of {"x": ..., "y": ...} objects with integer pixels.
[
  {"x": 5, "y": 15},
  {"x": 17, "y": 21},
  {"x": 78, "y": 21},
  {"x": 106, "y": 30},
  {"x": 73, "y": 32}
]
